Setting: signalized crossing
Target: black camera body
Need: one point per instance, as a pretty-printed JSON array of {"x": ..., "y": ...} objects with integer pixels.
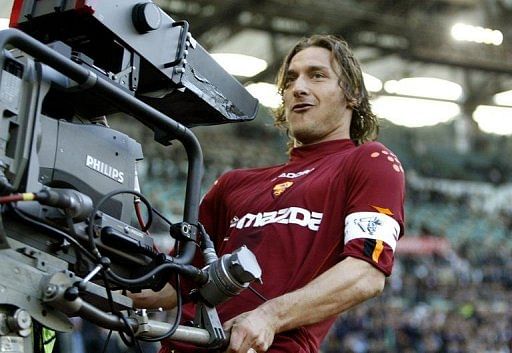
[
  {"x": 43, "y": 149},
  {"x": 68, "y": 181},
  {"x": 46, "y": 135}
]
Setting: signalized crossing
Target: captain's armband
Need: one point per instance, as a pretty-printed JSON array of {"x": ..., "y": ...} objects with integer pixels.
[{"x": 372, "y": 225}]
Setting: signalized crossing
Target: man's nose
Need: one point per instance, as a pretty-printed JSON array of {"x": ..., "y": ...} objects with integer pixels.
[{"x": 300, "y": 87}]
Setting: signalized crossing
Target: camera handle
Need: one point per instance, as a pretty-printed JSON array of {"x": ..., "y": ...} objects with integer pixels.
[
  {"x": 36, "y": 287},
  {"x": 184, "y": 36},
  {"x": 54, "y": 294}
]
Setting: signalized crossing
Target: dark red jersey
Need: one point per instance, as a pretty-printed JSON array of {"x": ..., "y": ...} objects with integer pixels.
[{"x": 330, "y": 201}]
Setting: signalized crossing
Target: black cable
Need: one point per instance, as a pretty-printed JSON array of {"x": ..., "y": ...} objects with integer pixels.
[
  {"x": 159, "y": 214},
  {"x": 96, "y": 208},
  {"x": 108, "y": 290},
  {"x": 134, "y": 341},
  {"x": 194, "y": 273},
  {"x": 258, "y": 294},
  {"x": 37, "y": 332},
  {"x": 93, "y": 258},
  {"x": 110, "y": 300},
  {"x": 107, "y": 341},
  {"x": 120, "y": 315},
  {"x": 177, "y": 320},
  {"x": 69, "y": 238},
  {"x": 191, "y": 271},
  {"x": 166, "y": 220},
  {"x": 129, "y": 329}
]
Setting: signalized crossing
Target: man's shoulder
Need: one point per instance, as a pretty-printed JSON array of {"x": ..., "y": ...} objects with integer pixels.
[
  {"x": 372, "y": 150},
  {"x": 372, "y": 146},
  {"x": 376, "y": 157},
  {"x": 243, "y": 173}
]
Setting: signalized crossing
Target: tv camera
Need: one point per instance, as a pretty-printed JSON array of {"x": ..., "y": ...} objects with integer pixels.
[{"x": 68, "y": 182}]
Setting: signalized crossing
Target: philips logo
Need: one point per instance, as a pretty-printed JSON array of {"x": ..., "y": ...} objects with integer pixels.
[
  {"x": 290, "y": 215},
  {"x": 105, "y": 169}
]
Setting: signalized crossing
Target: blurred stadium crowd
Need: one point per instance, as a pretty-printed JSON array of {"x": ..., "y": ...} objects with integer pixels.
[
  {"x": 453, "y": 302},
  {"x": 452, "y": 283}
]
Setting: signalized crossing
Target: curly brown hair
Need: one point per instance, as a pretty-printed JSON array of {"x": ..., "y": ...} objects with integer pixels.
[{"x": 364, "y": 125}]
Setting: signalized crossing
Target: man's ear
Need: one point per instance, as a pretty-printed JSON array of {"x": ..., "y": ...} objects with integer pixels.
[{"x": 352, "y": 103}]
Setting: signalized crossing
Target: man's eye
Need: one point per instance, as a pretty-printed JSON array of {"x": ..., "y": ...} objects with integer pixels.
[
  {"x": 318, "y": 75},
  {"x": 288, "y": 81}
]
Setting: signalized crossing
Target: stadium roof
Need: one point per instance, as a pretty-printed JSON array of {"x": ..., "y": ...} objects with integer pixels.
[{"x": 394, "y": 39}]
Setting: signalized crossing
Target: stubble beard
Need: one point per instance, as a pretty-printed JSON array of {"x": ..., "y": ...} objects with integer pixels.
[{"x": 305, "y": 131}]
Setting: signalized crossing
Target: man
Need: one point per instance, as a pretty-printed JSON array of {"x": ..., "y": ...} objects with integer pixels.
[{"x": 323, "y": 226}]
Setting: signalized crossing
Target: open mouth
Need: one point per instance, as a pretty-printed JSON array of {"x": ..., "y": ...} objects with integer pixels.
[{"x": 301, "y": 107}]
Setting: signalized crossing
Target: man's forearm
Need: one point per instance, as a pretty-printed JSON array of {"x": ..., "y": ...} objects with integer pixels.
[
  {"x": 148, "y": 299},
  {"x": 348, "y": 283}
]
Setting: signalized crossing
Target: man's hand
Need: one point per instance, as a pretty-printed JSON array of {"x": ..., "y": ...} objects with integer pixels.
[
  {"x": 254, "y": 329},
  {"x": 343, "y": 286}
]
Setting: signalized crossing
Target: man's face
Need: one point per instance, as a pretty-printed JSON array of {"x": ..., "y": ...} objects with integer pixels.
[{"x": 315, "y": 106}]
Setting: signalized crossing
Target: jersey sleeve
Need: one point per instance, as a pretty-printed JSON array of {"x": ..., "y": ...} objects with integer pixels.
[
  {"x": 212, "y": 211},
  {"x": 374, "y": 220}
]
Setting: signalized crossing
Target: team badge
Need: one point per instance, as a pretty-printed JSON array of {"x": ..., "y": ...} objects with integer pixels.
[
  {"x": 368, "y": 224},
  {"x": 278, "y": 189}
]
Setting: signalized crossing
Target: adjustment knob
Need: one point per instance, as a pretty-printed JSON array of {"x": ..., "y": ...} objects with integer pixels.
[
  {"x": 146, "y": 17},
  {"x": 20, "y": 322}
]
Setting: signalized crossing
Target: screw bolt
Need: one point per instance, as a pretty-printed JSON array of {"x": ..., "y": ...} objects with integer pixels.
[{"x": 50, "y": 290}]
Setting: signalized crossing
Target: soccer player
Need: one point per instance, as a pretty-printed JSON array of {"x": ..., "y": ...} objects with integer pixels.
[{"x": 324, "y": 226}]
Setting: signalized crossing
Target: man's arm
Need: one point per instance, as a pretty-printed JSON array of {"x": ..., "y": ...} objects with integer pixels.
[
  {"x": 148, "y": 299},
  {"x": 343, "y": 286}
]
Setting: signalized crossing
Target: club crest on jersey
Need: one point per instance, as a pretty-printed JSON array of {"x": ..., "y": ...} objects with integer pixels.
[
  {"x": 278, "y": 189},
  {"x": 368, "y": 224}
]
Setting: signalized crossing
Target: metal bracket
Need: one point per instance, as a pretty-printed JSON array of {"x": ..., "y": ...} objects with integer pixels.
[
  {"x": 36, "y": 255},
  {"x": 184, "y": 231},
  {"x": 207, "y": 318}
]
